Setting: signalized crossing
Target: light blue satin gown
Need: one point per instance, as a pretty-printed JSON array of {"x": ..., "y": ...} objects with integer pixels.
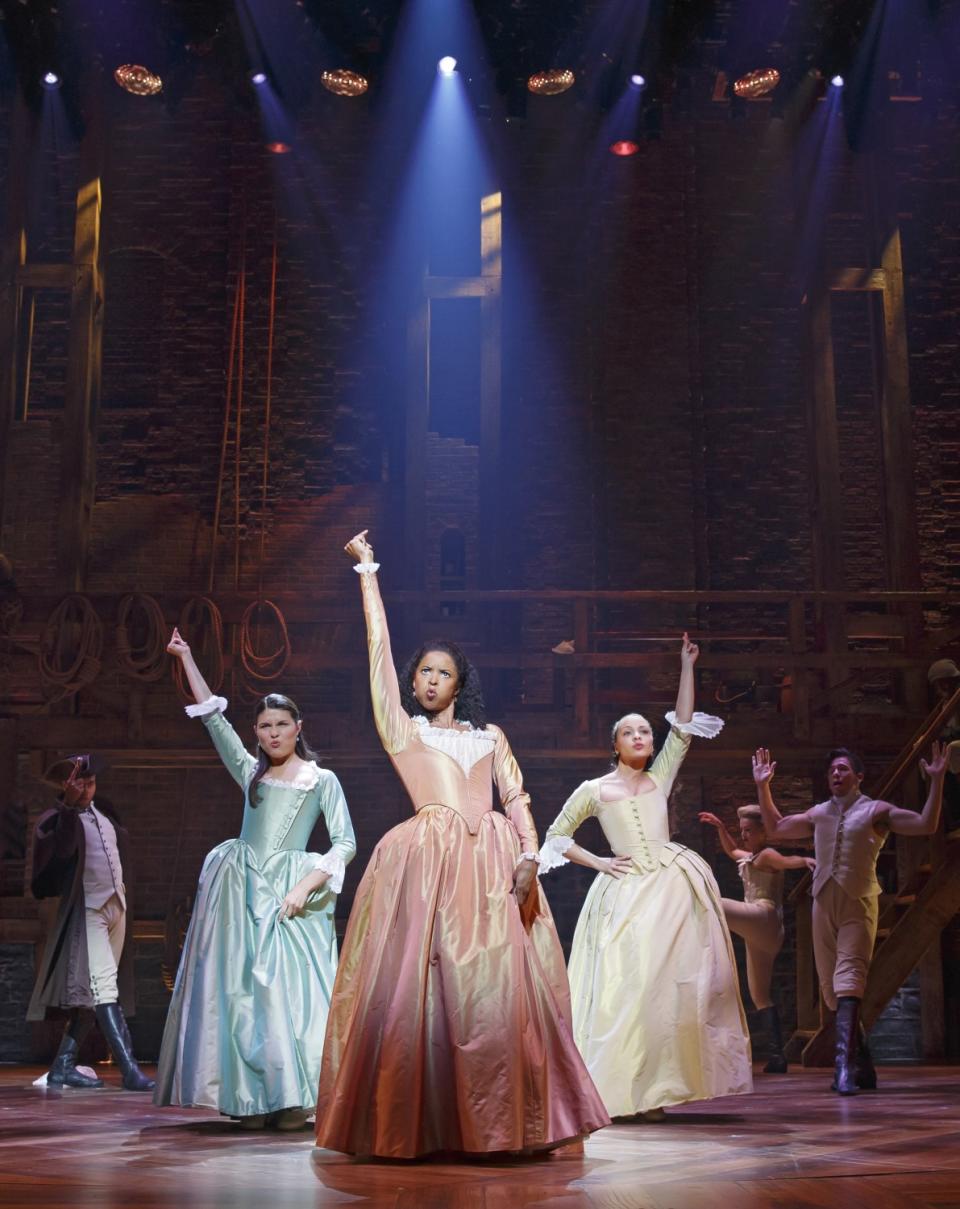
[{"x": 244, "y": 1033}]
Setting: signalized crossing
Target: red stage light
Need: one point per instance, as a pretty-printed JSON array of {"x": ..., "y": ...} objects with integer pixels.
[
  {"x": 624, "y": 147},
  {"x": 279, "y": 148}
]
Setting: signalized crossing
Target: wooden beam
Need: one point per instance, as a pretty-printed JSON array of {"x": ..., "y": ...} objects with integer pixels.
[
  {"x": 916, "y": 930},
  {"x": 491, "y": 363}
]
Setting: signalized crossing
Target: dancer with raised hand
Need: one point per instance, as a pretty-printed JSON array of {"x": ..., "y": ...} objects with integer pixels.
[
  {"x": 848, "y": 830},
  {"x": 449, "y": 1027},
  {"x": 656, "y": 1007},
  {"x": 759, "y": 918},
  {"x": 244, "y": 1033}
]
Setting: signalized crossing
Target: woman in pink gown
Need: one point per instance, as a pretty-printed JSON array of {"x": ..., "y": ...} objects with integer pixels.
[{"x": 449, "y": 1027}]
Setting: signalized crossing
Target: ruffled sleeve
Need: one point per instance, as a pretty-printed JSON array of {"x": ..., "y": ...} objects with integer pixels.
[
  {"x": 513, "y": 797},
  {"x": 581, "y": 804},
  {"x": 343, "y": 843},
  {"x": 667, "y": 764},
  {"x": 392, "y": 721},
  {"x": 236, "y": 759}
]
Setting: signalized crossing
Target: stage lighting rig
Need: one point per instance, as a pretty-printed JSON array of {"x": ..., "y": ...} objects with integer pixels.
[
  {"x": 552, "y": 82},
  {"x": 138, "y": 80},
  {"x": 344, "y": 83}
]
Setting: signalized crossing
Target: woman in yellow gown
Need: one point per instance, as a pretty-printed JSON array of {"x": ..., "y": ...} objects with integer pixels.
[
  {"x": 449, "y": 1026},
  {"x": 656, "y": 1007}
]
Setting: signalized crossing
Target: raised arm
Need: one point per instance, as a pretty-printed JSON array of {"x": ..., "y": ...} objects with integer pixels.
[
  {"x": 727, "y": 842},
  {"x": 777, "y": 827},
  {"x": 909, "y": 822},
  {"x": 770, "y": 858},
  {"x": 181, "y": 650},
  {"x": 689, "y": 654},
  {"x": 392, "y": 721},
  {"x": 237, "y": 760}
]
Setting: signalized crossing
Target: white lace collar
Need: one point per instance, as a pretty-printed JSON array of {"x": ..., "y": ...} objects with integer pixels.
[
  {"x": 466, "y": 745},
  {"x": 307, "y": 776},
  {"x": 466, "y": 731}
]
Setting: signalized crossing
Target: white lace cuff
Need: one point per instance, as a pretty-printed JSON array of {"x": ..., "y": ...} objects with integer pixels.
[
  {"x": 527, "y": 856},
  {"x": 332, "y": 863},
  {"x": 366, "y": 568},
  {"x": 704, "y": 726},
  {"x": 551, "y": 854},
  {"x": 212, "y": 705}
]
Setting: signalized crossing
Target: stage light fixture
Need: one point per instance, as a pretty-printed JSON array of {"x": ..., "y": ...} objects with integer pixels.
[
  {"x": 447, "y": 65},
  {"x": 344, "y": 83},
  {"x": 757, "y": 83},
  {"x": 637, "y": 80},
  {"x": 258, "y": 78},
  {"x": 624, "y": 147},
  {"x": 138, "y": 80},
  {"x": 551, "y": 83},
  {"x": 837, "y": 81},
  {"x": 279, "y": 148},
  {"x": 51, "y": 79}
]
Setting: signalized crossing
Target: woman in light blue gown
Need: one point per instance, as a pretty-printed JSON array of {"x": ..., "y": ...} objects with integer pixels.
[{"x": 244, "y": 1033}]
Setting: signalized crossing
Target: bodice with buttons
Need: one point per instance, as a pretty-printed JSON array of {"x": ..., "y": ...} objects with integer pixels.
[{"x": 637, "y": 827}]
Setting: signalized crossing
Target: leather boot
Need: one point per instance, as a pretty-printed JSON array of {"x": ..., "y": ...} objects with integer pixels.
[
  {"x": 866, "y": 1072},
  {"x": 848, "y": 1019},
  {"x": 114, "y": 1028},
  {"x": 63, "y": 1072},
  {"x": 777, "y": 1061}
]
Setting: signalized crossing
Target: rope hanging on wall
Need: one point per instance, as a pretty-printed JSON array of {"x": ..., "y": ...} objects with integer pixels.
[
  {"x": 141, "y": 637},
  {"x": 70, "y": 648},
  {"x": 260, "y": 618},
  {"x": 202, "y": 626}
]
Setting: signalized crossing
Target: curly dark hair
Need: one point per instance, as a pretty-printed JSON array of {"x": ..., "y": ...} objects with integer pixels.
[
  {"x": 468, "y": 705},
  {"x": 303, "y": 749}
]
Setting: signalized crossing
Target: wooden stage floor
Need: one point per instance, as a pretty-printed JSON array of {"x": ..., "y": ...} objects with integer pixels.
[{"x": 792, "y": 1145}]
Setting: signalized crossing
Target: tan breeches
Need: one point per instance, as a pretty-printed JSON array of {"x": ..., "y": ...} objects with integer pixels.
[
  {"x": 761, "y": 927},
  {"x": 106, "y": 928},
  {"x": 844, "y": 931}
]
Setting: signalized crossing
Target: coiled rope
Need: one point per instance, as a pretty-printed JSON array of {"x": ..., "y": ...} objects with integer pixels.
[
  {"x": 259, "y": 617},
  {"x": 141, "y": 637},
  {"x": 71, "y": 647},
  {"x": 202, "y": 626}
]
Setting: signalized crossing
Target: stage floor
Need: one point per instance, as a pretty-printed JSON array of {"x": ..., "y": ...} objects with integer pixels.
[{"x": 793, "y": 1144}]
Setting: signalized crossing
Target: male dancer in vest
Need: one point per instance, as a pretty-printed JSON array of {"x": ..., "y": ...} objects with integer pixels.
[
  {"x": 79, "y": 853},
  {"x": 848, "y": 832}
]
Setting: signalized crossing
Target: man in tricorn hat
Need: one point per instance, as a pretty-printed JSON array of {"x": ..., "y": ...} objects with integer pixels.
[{"x": 80, "y": 852}]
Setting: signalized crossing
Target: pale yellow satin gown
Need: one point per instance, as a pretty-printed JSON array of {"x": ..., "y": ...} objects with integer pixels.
[
  {"x": 449, "y": 1026},
  {"x": 656, "y": 1006}
]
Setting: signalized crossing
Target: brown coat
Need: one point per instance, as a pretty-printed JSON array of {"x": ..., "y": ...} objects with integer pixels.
[{"x": 59, "y": 850}]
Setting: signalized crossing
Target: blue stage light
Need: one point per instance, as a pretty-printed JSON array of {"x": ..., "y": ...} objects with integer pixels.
[
  {"x": 51, "y": 80},
  {"x": 447, "y": 65},
  {"x": 258, "y": 78},
  {"x": 638, "y": 80},
  {"x": 837, "y": 81}
]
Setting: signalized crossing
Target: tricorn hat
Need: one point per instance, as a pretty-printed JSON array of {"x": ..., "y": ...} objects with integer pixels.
[{"x": 62, "y": 769}]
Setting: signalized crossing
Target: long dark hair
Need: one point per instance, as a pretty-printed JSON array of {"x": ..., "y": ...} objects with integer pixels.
[
  {"x": 303, "y": 750},
  {"x": 468, "y": 705}
]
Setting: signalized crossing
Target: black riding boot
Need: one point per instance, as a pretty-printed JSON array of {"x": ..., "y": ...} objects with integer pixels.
[
  {"x": 114, "y": 1028},
  {"x": 866, "y": 1072},
  {"x": 777, "y": 1061},
  {"x": 848, "y": 1019},
  {"x": 63, "y": 1072}
]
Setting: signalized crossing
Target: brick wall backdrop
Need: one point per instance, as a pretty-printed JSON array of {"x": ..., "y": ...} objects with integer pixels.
[{"x": 654, "y": 418}]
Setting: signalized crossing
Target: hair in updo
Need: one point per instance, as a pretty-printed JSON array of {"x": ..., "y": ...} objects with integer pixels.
[
  {"x": 753, "y": 813},
  {"x": 468, "y": 704},
  {"x": 615, "y": 759},
  {"x": 303, "y": 750}
]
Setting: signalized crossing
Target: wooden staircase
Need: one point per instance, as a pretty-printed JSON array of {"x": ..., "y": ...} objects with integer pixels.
[{"x": 911, "y": 920}]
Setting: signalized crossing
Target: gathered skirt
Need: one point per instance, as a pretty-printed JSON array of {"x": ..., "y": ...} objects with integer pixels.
[
  {"x": 449, "y": 1026},
  {"x": 656, "y": 1006},
  {"x": 244, "y": 1033}
]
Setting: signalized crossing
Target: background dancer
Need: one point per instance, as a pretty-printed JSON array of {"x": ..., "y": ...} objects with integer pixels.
[
  {"x": 848, "y": 832},
  {"x": 759, "y": 918},
  {"x": 656, "y": 1008},
  {"x": 244, "y": 1033}
]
